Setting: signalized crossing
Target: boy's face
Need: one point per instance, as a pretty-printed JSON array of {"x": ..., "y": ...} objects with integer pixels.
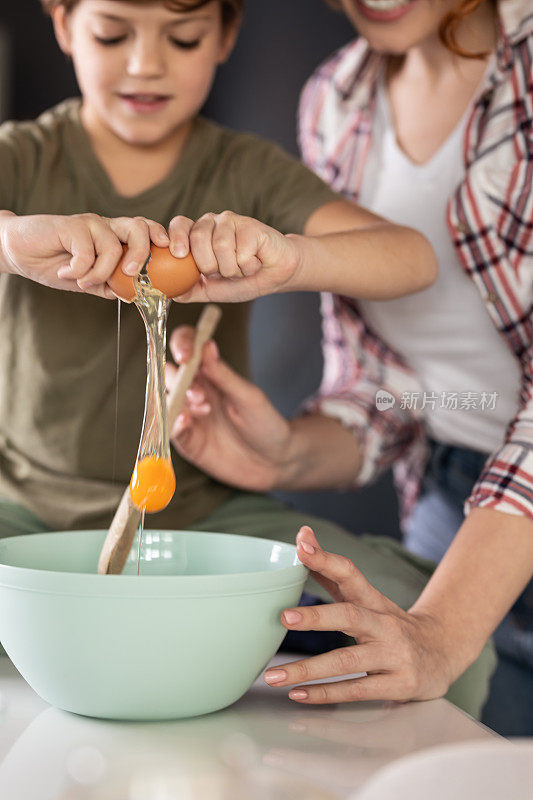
[{"x": 144, "y": 70}]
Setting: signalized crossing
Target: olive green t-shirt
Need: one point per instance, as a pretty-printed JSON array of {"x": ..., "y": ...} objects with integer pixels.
[{"x": 61, "y": 454}]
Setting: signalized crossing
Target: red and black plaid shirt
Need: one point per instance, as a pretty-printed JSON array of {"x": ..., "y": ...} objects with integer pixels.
[{"x": 490, "y": 220}]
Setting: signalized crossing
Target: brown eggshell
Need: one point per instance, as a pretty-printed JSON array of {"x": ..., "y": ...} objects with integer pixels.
[
  {"x": 123, "y": 285},
  {"x": 172, "y": 276}
]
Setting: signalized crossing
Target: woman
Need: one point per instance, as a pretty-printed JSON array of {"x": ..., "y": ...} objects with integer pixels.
[{"x": 427, "y": 120}]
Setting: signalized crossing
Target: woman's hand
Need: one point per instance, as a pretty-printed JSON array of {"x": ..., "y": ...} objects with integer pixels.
[
  {"x": 255, "y": 259},
  {"x": 228, "y": 428},
  {"x": 403, "y": 654},
  {"x": 77, "y": 253}
]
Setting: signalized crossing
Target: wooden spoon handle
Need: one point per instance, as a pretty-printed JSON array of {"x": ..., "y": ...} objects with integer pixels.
[
  {"x": 125, "y": 524},
  {"x": 205, "y": 328}
]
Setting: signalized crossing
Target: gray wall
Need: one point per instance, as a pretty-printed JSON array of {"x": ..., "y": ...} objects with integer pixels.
[{"x": 282, "y": 41}]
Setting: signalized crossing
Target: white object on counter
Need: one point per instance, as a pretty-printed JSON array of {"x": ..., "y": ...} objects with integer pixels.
[{"x": 471, "y": 771}]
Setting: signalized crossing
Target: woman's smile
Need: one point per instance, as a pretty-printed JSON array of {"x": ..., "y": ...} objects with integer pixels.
[{"x": 384, "y": 10}]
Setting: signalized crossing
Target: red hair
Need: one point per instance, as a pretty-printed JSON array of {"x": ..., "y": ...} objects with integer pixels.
[
  {"x": 448, "y": 26},
  {"x": 450, "y": 23}
]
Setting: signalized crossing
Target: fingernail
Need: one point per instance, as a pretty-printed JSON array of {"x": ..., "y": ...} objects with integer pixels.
[
  {"x": 307, "y": 548},
  {"x": 132, "y": 268},
  {"x": 298, "y": 694},
  {"x": 181, "y": 355},
  {"x": 64, "y": 272},
  {"x": 292, "y": 617},
  {"x": 275, "y": 675}
]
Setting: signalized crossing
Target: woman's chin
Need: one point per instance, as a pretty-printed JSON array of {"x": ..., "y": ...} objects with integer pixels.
[{"x": 394, "y": 26}]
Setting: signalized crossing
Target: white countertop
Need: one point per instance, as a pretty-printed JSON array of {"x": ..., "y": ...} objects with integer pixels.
[{"x": 264, "y": 747}]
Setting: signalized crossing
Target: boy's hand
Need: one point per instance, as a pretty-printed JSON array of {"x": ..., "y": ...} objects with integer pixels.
[
  {"x": 77, "y": 253},
  {"x": 253, "y": 258},
  {"x": 228, "y": 427},
  {"x": 404, "y": 654}
]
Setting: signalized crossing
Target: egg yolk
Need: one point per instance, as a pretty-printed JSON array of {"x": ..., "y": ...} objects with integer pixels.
[{"x": 153, "y": 483}]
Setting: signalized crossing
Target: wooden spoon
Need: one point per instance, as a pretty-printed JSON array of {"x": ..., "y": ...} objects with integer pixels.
[{"x": 119, "y": 539}]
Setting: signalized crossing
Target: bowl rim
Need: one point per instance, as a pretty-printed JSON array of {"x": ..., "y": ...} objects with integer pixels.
[{"x": 60, "y": 582}]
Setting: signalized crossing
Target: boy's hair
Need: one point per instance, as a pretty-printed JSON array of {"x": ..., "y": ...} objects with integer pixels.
[
  {"x": 231, "y": 9},
  {"x": 448, "y": 26}
]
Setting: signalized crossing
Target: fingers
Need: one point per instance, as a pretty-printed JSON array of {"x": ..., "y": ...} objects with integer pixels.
[
  {"x": 348, "y": 618},
  {"x": 247, "y": 250},
  {"x": 76, "y": 239},
  {"x": 215, "y": 369},
  {"x": 179, "y": 230},
  {"x": 95, "y": 245},
  {"x": 188, "y": 417},
  {"x": 198, "y": 294},
  {"x": 102, "y": 290},
  {"x": 243, "y": 398},
  {"x": 224, "y": 245},
  {"x": 181, "y": 346},
  {"x": 213, "y": 245},
  {"x": 344, "y": 661},
  {"x": 181, "y": 343},
  {"x": 330, "y": 586},
  {"x": 182, "y": 424},
  {"x": 158, "y": 234},
  {"x": 199, "y": 405},
  {"x": 214, "y": 290},
  {"x": 195, "y": 394},
  {"x": 372, "y": 687},
  {"x": 201, "y": 243},
  {"x": 108, "y": 251},
  {"x": 138, "y": 234},
  {"x": 196, "y": 403},
  {"x": 338, "y": 569}
]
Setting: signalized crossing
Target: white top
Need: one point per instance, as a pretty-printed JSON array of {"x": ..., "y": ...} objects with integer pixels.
[{"x": 444, "y": 332}]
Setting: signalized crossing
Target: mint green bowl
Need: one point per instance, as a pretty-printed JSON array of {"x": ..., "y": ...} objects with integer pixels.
[{"x": 186, "y": 637}]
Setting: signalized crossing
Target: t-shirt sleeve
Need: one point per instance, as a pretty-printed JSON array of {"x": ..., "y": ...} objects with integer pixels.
[
  {"x": 279, "y": 190},
  {"x": 17, "y": 165},
  {"x": 8, "y": 172}
]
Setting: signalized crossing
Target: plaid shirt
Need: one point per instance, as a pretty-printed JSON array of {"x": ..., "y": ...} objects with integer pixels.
[{"x": 490, "y": 220}]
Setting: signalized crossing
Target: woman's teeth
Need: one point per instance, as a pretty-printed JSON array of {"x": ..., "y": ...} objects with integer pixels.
[{"x": 384, "y": 5}]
